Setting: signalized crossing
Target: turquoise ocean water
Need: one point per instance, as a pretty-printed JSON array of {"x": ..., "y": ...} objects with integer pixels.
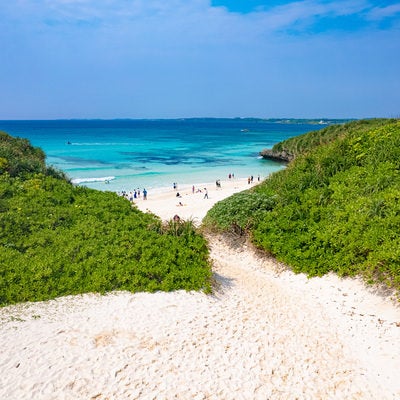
[{"x": 153, "y": 154}]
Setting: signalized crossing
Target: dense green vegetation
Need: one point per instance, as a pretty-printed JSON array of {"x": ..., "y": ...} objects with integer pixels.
[
  {"x": 336, "y": 207},
  {"x": 57, "y": 239},
  {"x": 306, "y": 142},
  {"x": 19, "y": 158}
]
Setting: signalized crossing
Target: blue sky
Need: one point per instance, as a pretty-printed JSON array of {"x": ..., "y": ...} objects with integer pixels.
[{"x": 199, "y": 58}]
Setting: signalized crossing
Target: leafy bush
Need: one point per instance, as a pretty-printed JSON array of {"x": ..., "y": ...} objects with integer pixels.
[
  {"x": 308, "y": 141},
  {"x": 18, "y": 158},
  {"x": 239, "y": 212},
  {"x": 335, "y": 207},
  {"x": 57, "y": 239}
]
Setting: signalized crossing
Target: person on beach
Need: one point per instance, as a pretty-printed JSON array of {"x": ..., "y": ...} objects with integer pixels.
[
  {"x": 193, "y": 189},
  {"x": 144, "y": 194},
  {"x": 205, "y": 193}
]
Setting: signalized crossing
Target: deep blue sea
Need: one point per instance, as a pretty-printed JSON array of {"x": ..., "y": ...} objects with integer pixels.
[{"x": 132, "y": 154}]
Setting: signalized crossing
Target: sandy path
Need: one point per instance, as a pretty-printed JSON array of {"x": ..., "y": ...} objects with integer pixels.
[
  {"x": 327, "y": 337},
  {"x": 263, "y": 335}
]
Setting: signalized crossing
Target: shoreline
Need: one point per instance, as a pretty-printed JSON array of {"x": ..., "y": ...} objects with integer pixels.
[{"x": 164, "y": 202}]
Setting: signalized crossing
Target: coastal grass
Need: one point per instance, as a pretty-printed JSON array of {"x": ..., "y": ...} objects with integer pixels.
[
  {"x": 57, "y": 239},
  {"x": 336, "y": 207}
]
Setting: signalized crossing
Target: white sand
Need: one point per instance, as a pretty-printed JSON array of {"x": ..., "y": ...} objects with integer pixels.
[
  {"x": 265, "y": 334},
  {"x": 165, "y": 204}
]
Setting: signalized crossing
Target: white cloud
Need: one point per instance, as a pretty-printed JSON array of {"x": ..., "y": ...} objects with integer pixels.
[
  {"x": 182, "y": 20},
  {"x": 305, "y": 12},
  {"x": 102, "y": 10},
  {"x": 379, "y": 13}
]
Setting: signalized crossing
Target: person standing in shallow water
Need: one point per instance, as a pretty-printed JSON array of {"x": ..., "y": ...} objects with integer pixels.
[{"x": 144, "y": 194}]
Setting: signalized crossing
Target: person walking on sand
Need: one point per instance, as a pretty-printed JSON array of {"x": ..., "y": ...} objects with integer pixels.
[
  {"x": 144, "y": 194},
  {"x": 205, "y": 193}
]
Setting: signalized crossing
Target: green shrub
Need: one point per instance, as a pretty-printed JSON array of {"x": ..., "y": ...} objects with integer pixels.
[
  {"x": 335, "y": 207},
  {"x": 57, "y": 239},
  {"x": 238, "y": 212}
]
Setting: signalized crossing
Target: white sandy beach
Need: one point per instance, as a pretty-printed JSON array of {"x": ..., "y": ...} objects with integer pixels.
[
  {"x": 265, "y": 333},
  {"x": 165, "y": 204}
]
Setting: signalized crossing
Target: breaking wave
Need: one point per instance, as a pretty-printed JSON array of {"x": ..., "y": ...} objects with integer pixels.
[{"x": 83, "y": 180}]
